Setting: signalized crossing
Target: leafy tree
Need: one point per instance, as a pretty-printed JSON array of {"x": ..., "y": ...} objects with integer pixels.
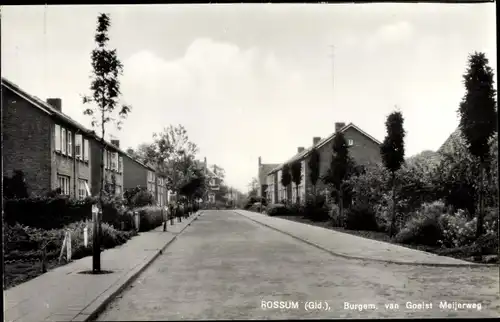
[
  {"x": 103, "y": 105},
  {"x": 286, "y": 177},
  {"x": 15, "y": 187},
  {"x": 253, "y": 188},
  {"x": 339, "y": 168},
  {"x": 313, "y": 165},
  {"x": 393, "y": 153},
  {"x": 478, "y": 117},
  {"x": 296, "y": 170}
]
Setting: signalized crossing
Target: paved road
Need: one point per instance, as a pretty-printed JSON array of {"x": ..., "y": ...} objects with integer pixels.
[{"x": 224, "y": 265}]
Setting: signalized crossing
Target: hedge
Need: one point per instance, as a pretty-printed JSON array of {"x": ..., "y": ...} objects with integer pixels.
[
  {"x": 150, "y": 217},
  {"x": 45, "y": 212}
]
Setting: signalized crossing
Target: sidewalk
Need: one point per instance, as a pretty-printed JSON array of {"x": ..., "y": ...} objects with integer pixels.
[
  {"x": 354, "y": 247},
  {"x": 63, "y": 294}
]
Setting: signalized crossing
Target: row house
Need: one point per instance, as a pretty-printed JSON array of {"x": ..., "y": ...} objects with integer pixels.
[
  {"x": 55, "y": 152},
  {"x": 263, "y": 170},
  {"x": 363, "y": 148}
]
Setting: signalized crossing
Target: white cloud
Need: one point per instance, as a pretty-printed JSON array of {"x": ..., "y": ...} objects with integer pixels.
[{"x": 214, "y": 82}]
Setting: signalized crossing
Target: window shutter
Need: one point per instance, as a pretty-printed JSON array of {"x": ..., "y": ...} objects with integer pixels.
[
  {"x": 63, "y": 141},
  {"x": 70, "y": 143},
  {"x": 86, "y": 150},
  {"x": 57, "y": 135}
]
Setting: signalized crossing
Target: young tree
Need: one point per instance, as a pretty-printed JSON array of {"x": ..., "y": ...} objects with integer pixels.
[
  {"x": 253, "y": 187},
  {"x": 313, "y": 165},
  {"x": 296, "y": 170},
  {"x": 339, "y": 168},
  {"x": 286, "y": 177},
  {"x": 103, "y": 105},
  {"x": 478, "y": 117},
  {"x": 393, "y": 155}
]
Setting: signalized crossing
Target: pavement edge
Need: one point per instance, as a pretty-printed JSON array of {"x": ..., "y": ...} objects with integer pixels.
[
  {"x": 470, "y": 265},
  {"x": 106, "y": 299}
]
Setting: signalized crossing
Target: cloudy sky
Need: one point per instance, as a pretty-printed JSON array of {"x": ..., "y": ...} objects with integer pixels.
[{"x": 258, "y": 80}]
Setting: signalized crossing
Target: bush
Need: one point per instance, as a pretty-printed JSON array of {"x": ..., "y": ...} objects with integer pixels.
[
  {"x": 45, "y": 212},
  {"x": 150, "y": 217},
  {"x": 138, "y": 197},
  {"x": 277, "y": 209},
  {"x": 424, "y": 227},
  {"x": 253, "y": 200},
  {"x": 257, "y": 207},
  {"x": 296, "y": 209},
  {"x": 18, "y": 237},
  {"x": 316, "y": 209},
  {"x": 458, "y": 231},
  {"x": 336, "y": 218},
  {"x": 361, "y": 216}
]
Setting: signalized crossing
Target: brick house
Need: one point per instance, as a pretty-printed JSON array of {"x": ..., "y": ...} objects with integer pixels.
[
  {"x": 52, "y": 150},
  {"x": 138, "y": 174},
  {"x": 363, "y": 148},
  {"x": 263, "y": 170}
]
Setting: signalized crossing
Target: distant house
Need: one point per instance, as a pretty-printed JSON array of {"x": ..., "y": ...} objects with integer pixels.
[
  {"x": 51, "y": 149},
  {"x": 214, "y": 182},
  {"x": 263, "y": 170},
  {"x": 363, "y": 148}
]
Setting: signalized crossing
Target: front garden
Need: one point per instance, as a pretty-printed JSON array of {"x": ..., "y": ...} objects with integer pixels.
[{"x": 35, "y": 228}]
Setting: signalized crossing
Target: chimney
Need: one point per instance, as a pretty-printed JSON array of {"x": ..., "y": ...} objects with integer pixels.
[
  {"x": 316, "y": 140},
  {"x": 116, "y": 143},
  {"x": 55, "y": 103},
  {"x": 338, "y": 126},
  {"x": 260, "y": 161},
  {"x": 300, "y": 149}
]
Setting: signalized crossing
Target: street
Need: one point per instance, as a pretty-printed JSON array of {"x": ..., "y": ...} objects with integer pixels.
[{"x": 225, "y": 266}]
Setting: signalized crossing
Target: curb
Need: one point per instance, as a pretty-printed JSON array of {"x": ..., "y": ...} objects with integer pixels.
[
  {"x": 470, "y": 265},
  {"x": 106, "y": 299}
]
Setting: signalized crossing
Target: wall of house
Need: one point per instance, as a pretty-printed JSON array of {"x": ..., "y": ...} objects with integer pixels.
[
  {"x": 26, "y": 142},
  {"x": 134, "y": 174},
  {"x": 96, "y": 159},
  {"x": 363, "y": 151},
  {"x": 67, "y": 164}
]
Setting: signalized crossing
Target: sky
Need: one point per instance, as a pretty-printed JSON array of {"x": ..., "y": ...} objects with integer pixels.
[{"x": 250, "y": 80}]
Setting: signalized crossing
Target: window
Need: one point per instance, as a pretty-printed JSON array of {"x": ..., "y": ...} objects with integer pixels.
[
  {"x": 70, "y": 144},
  {"x": 118, "y": 190},
  {"x": 82, "y": 192},
  {"x": 120, "y": 164},
  {"x": 58, "y": 137},
  {"x": 78, "y": 146},
  {"x": 63, "y": 183},
  {"x": 105, "y": 159},
  {"x": 63, "y": 141},
  {"x": 350, "y": 142},
  {"x": 86, "y": 150}
]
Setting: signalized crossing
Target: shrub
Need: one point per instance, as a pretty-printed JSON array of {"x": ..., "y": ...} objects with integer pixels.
[
  {"x": 334, "y": 214},
  {"x": 296, "y": 209},
  {"x": 150, "y": 217},
  {"x": 253, "y": 200},
  {"x": 45, "y": 212},
  {"x": 15, "y": 187},
  {"x": 277, "y": 210},
  {"x": 316, "y": 209},
  {"x": 138, "y": 197},
  {"x": 361, "y": 216},
  {"x": 458, "y": 231},
  {"x": 18, "y": 237},
  {"x": 424, "y": 227},
  {"x": 257, "y": 207}
]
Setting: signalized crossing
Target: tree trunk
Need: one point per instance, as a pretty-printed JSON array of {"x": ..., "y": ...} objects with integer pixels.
[
  {"x": 393, "y": 216},
  {"x": 341, "y": 202}
]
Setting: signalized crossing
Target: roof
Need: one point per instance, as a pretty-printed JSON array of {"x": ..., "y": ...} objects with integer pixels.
[
  {"x": 264, "y": 169},
  {"x": 48, "y": 109},
  {"x": 321, "y": 143}
]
